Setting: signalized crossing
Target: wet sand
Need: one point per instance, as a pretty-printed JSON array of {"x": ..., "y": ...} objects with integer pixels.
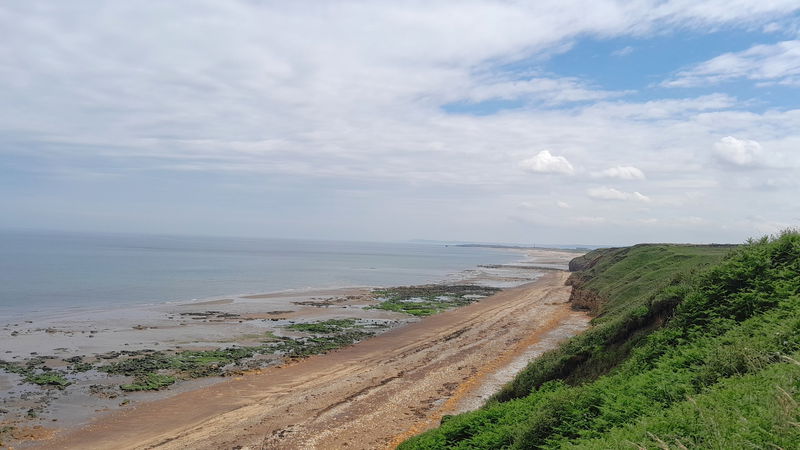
[
  {"x": 370, "y": 395},
  {"x": 99, "y": 337}
]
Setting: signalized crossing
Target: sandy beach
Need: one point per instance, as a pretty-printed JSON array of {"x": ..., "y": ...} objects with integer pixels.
[
  {"x": 370, "y": 395},
  {"x": 408, "y": 375}
]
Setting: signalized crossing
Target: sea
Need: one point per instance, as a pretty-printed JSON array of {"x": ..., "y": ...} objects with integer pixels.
[{"x": 49, "y": 272}]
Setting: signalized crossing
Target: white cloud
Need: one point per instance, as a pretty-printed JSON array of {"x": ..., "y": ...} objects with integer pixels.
[
  {"x": 551, "y": 91},
  {"x": 666, "y": 108},
  {"x": 563, "y": 205},
  {"x": 770, "y": 63},
  {"x": 606, "y": 193},
  {"x": 623, "y": 173},
  {"x": 624, "y": 51},
  {"x": 303, "y": 102},
  {"x": 545, "y": 162},
  {"x": 738, "y": 152}
]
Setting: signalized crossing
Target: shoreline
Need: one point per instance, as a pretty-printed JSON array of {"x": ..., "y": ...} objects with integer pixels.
[
  {"x": 368, "y": 395},
  {"x": 203, "y": 325},
  {"x": 467, "y": 275}
]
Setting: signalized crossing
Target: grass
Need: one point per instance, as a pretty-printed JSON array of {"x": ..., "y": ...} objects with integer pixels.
[
  {"x": 638, "y": 288},
  {"x": 718, "y": 368},
  {"x": 430, "y": 299}
]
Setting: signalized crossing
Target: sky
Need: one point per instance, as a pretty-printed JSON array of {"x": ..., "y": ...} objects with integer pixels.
[{"x": 595, "y": 122}]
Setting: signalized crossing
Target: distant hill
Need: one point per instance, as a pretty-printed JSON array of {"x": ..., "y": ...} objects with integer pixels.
[{"x": 691, "y": 347}]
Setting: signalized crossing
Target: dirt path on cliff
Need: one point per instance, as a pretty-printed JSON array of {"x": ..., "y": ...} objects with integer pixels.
[{"x": 367, "y": 396}]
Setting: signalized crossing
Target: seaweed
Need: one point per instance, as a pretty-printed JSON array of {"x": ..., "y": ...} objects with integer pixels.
[
  {"x": 149, "y": 382},
  {"x": 35, "y": 373},
  {"x": 429, "y": 299}
]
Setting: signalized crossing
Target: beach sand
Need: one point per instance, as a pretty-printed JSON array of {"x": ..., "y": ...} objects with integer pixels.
[
  {"x": 370, "y": 395},
  {"x": 534, "y": 318}
]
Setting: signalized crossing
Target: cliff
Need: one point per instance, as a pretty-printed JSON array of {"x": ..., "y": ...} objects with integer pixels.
[{"x": 691, "y": 347}]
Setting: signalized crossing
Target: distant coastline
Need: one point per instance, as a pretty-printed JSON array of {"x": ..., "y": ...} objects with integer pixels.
[{"x": 576, "y": 249}]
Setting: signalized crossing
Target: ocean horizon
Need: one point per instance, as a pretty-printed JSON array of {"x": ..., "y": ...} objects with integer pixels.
[{"x": 51, "y": 271}]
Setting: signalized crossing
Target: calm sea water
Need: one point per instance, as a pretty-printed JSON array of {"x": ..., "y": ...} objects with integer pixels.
[{"x": 62, "y": 271}]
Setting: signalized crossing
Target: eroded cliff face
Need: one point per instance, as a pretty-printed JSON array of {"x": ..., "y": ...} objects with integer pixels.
[
  {"x": 580, "y": 263},
  {"x": 586, "y": 300},
  {"x": 585, "y": 261},
  {"x": 581, "y": 298}
]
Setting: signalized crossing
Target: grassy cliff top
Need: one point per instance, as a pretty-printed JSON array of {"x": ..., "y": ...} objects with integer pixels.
[
  {"x": 693, "y": 347},
  {"x": 626, "y": 277}
]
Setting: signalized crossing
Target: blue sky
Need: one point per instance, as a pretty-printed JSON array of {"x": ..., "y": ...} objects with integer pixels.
[
  {"x": 638, "y": 65},
  {"x": 599, "y": 122}
]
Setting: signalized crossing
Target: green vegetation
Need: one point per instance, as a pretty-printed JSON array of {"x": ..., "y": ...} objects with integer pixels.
[
  {"x": 431, "y": 299},
  {"x": 77, "y": 365},
  {"x": 50, "y": 378},
  {"x": 327, "y": 335},
  {"x": 149, "y": 382},
  {"x": 324, "y": 327},
  {"x": 153, "y": 370},
  {"x": 681, "y": 355},
  {"x": 186, "y": 364},
  {"x": 631, "y": 291},
  {"x": 299, "y": 348},
  {"x": 35, "y": 372}
]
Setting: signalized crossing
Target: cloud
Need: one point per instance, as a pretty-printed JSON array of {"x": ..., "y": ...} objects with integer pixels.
[
  {"x": 738, "y": 152},
  {"x": 606, "y": 193},
  {"x": 347, "y": 96},
  {"x": 623, "y": 173},
  {"x": 665, "y": 108},
  {"x": 624, "y": 51},
  {"x": 767, "y": 63},
  {"x": 551, "y": 91},
  {"x": 545, "y": 162},
  {"x": 563, "y": 205}
]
